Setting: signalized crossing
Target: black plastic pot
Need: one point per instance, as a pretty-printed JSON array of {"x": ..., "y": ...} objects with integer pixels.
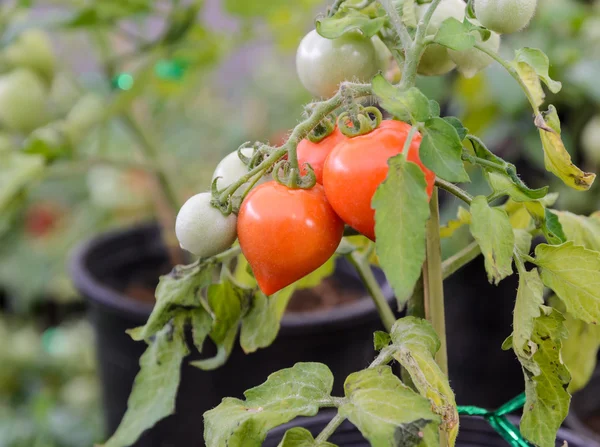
[
  {"x": 102, "y": 268},
  {"x": 474, "y": 432},
  {"x": 585, "y": 406}
]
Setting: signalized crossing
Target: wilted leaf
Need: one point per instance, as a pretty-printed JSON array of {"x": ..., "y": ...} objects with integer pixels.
[
  {"x": 260, "y": 325},
  {"x": 301, "y": 437},
  {"x": 532, "y": 65},
  {"x": 530, "y": 298},
  {"x": 414, "y": 345},
  {"x": 556, "y": 158},
  {"x": 387, "y": 412},
  {"x": 463, "y": 217},
  {"x": 581, "y": 230},
  {"x": 547, "y": 401}
]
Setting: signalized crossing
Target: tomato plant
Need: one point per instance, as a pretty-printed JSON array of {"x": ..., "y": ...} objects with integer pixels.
[
  {"x": 378, "y": 177},
  {"x": 308, "y": 233},
  {"x": 356, "y": 167}
]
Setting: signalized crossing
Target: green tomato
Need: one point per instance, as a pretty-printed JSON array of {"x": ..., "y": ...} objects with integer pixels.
[
  {"x": 436, "y": 60},
  {"x": 231, "y": 168},
  {"x": 472, "y": 61},
  {"x": 32, "y": 50},
  {"x": 322, "y": 64},
  {"x": 202, "y": 229},
  {"x": 505, "y": 16},
  {"x": 23, "y": 97},
  {"x": 590, "y": 140}
]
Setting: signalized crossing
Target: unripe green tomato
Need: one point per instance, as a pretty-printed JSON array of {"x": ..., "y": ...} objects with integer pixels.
[
  {"x": 23, "y": 97},
  {"x": 590, "y": 140},
  {"x": 505, "y": 16},
  {"x": 202, "y": 229},
  {"x": 231, "y": 168},
  {"x": 383, "y": 53},
  {"x": 322, "y": 64},
  {"x": 472, "y": 61},
  {"x": 33, "y": 50},
  {"x": 436, "y": 60}
]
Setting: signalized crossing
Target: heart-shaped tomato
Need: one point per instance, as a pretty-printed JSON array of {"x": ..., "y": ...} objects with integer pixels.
[{"x": 287, "y": 233}]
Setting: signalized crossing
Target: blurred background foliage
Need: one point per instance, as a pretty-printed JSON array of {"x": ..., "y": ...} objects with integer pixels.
[{"x": 200, "y": 78}]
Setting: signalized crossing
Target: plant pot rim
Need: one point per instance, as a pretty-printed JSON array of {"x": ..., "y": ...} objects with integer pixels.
[{"x": 96, "y": 291}]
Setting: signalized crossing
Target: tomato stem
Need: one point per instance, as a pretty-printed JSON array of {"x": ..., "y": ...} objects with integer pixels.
[
  {"x": 397, "y": 23},
  {"x": 415, "y": 51},
  {"x": 433, "y": 285},
  {"x": 454, "y": 190},
  {"x": 301, "y": 131}
]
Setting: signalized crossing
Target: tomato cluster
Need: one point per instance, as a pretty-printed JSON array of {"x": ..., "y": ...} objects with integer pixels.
[{"x": 287, "y": 233}]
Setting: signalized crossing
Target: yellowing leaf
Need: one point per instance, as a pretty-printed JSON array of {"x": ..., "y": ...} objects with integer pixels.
[
  {"x": 573, "y": 272},
  {"x": 556, "y": 158},
  {"x": 492, "y": 230}
]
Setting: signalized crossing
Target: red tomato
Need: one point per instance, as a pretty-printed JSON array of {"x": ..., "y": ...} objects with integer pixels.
[
  {"x": 356, "y": 167},
  {"x": 286, "y": 233},
  {"x": 316, "y": 153}
]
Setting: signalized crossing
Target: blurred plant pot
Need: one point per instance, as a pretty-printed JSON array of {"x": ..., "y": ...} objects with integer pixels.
[
  {"x": 104, "y": 267},
  {"x": 474, "y": 432},
  {"x": 584, "y": 415}
]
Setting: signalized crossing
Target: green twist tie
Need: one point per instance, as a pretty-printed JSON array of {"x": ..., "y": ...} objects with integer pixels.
[{"x": 498, "y": 421}]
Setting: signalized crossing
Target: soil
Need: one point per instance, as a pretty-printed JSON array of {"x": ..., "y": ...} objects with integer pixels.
[
  {"x": 593, "y": 422},
  {"x": 332, "y": 292}
]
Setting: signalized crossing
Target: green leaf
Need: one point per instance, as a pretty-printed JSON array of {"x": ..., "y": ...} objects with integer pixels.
[
  {"x": 547, "y": 401},
  {"x": 387, "y": 412},
  {"x": 409, "y": 105},
  {"x": 301, "y": 437},
  {"x": 17, "y": 171},
  {"x": 552, "y": 228},
  {"x": 573, "y": 272},
  {"x": 532, "y": 65},
  {"x": 441, "y": 150},
  {"x": 201, "y": 323},
  {"x": 297, "y": 391},
  {"x": 260, "y": 325},
  {"x": 381, "y": 340},
  {"x": 400, "y": 236},
  {"x": 225, "y": 301},
  {"x": 580, "y": 229},
  {"x": 155, "y": 386},
  {"x": 530, "y": 298},
  {"x": 458, "y": 125},
  {"x": 348, "y": 21},
  {"x": 556, "y": 158},
  {"x": 414, "y": 344},
  {"x": 463, "y": 217},
  {"x": 492, "y": 230},
  {"x": 176, "y": 291},
  {"x": 579, "y": 351}
]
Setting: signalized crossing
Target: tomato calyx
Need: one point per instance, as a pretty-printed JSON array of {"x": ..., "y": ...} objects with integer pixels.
[
  {"x": 322, "y": 131},
  {"x": 363, "y": 122},
  {"x": 286, "y": 174}
]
